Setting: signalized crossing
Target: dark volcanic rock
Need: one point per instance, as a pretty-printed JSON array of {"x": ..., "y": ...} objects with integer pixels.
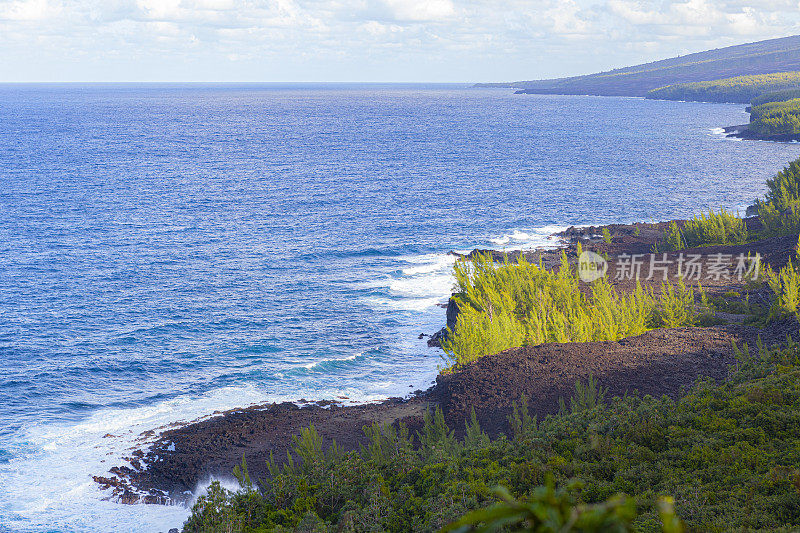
[
  {"x": 659, "y": 362},
  {"x": 452, "y": 316}
]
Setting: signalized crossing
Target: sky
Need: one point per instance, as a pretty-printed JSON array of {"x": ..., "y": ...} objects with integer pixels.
[{"x": 365, "y": 40}]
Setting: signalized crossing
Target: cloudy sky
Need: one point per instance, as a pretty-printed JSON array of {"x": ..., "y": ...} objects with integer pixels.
[{"x": 365, "y": 40}]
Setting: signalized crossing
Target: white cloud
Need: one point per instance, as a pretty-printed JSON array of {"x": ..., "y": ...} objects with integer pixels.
[
  {"x": 160, "y": 9},
  {"x": 567, "y": 18},
  {"x": 377, "y": 29},
  {"x": 420, "y": 10},
  {"x": 634, "y": 12},
  {"x": 28, "y": 10},
  {"x": 214, "y": 5}
]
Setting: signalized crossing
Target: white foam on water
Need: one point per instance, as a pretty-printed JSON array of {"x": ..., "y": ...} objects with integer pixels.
[
  {"x": 47, "y": 484},
  {"x": 423, "y": 285},
  {"x": 311, "y": 366},
  {"x": 414, "y": 283},
  {"x": 528, "y": 239},
  {"x": 427, "y": 264},
  {"x": 406, "y": 304},
  {"x": 420, "y": 283},
  {"x": 718, "y": 131}
]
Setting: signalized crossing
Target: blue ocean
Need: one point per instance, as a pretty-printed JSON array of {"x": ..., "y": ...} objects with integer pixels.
[{"x": 168, "y": 251}]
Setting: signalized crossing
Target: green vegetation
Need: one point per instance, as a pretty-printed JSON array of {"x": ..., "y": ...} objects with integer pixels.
[
  {"x": 672, "y": 241},
  {"x": 776, "y": 96},
  {"x": 606, "y": 236},
  {"x": 549, "y": 510},
  {"x": 503, "y": 306},
  {"x": 740, "y": 89},
  {"x": 785, "y": 286},
  {"x": 714, "y": 228},
  {"x": 729, "y": 454},
  {"x": 775, "y": 119},
  {"x": 780, "y": 210}
]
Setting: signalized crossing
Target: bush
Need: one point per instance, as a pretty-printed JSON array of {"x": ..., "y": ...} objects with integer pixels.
[
  {"x": 780, "y": 210},
  {"x": 714, "y": 228},
  {"x": 503, "y": 306},
  {"x": 550, "y": 511},
  {"x": 672, "y": 241},
  {"x": 785, "y": 286}
]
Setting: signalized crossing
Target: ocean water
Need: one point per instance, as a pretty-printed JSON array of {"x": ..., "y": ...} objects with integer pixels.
[{"x": 168, "y": 251}]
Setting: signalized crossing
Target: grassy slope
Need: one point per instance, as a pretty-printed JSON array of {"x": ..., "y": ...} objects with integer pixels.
[{"x": 763, "y": 57}]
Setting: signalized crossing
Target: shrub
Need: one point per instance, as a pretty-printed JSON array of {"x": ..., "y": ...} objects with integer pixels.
[
  {"x": 780, "y": 210},
  {"x": 508, "y": 305},
  {"x": 713, "y": 228},
  {"x": 785, "y": 286},
  {"x": 213, "y": 512},
  {"x": 672, "y": 241},
  {"x": 549, "y": 511}
]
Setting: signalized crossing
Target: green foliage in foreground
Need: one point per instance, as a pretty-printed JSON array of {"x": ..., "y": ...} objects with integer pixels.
[
  {"x": 776, "y": 96},
  {"x": 713, "y": 228},
  {"x": 550, "y": 510},
  {"x": 517, "y": 304},
  {"x": 776, "y": 119},
  {"x": 740, "y": 89},
  {"x": 780, "y": 210},
  {"x": 729, "y": 454}
]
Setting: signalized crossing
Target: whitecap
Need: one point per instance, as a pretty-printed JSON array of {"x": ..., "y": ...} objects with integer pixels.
[
  {"x": 315, "y": 364},
  {"x": 528, "y": 239}
]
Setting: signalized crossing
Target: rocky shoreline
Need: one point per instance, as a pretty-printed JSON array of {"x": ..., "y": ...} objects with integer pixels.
[
  {"x": 659, "y": 362},
  {"x": 742, "y": 131}
]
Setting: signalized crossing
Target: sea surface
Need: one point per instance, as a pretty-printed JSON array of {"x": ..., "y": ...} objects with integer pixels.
[{"x": 171, "y": 250}]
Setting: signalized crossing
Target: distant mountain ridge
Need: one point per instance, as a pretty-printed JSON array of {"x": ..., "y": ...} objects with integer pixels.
[{"x": 763, "y": 57}]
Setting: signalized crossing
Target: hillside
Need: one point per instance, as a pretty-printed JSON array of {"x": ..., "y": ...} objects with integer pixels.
[{"x": 763, "y": 57}]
